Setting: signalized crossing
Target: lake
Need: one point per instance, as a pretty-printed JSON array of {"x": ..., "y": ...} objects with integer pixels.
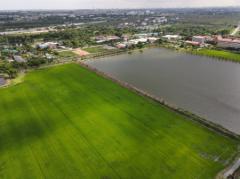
[{"x": 207, "y": 87}]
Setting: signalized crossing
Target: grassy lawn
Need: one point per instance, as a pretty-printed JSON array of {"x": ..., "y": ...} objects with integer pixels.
[
  {"x": 219, "y": 54},
  {"x": 67, "y": 122},
  {"x": 98, "y": 49},
  {"x": 67, "y": 54}
]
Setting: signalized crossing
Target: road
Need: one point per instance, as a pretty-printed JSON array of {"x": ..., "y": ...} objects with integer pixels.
[{"x": 236, "y": 30}]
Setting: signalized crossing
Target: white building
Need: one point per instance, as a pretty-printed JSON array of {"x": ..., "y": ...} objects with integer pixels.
[
  {"x": 51, "y": 45},
  {"x": 136, "y": 41},
  {"x": 172, "y": 37},
  {"x": 152, "y": 39}
]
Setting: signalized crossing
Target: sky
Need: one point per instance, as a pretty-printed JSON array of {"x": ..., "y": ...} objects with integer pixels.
[{"x": 103, "y": 4}]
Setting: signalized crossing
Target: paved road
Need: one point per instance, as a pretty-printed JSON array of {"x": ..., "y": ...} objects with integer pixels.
[
  {"x": 235, "y": 31},
  {"x": 232, "y": 169}
]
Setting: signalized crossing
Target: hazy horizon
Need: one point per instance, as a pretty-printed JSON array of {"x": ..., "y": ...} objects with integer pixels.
[{"x": 109, "y": 4}]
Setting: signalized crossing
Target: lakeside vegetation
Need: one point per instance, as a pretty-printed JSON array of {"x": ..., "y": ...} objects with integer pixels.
[
  {"x": 221, "y": 54},
  {"x": 84, "y": 126}
]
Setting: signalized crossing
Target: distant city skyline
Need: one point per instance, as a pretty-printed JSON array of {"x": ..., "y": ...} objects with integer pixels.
[{"x": 107, "y": 4}]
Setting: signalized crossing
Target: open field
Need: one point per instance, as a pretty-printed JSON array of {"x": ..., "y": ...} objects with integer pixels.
[
  {"x": 97, "y": 49},
  {"x": 80, "y": 52},
  {"x": 221, "y": 54},
  {"x": 67, "y": 54},
  {"x": 67, "y": 122}
]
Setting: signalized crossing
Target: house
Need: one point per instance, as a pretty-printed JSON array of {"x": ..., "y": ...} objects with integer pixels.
[
  {"x": 112, "y": 38},
  {"x": 201, "y": 39},
  {"x": 51, "y": 45},
  {"x": 18, "y": 59}
]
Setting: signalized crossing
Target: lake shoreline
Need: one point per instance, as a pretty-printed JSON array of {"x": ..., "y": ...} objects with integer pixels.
[
  {"x": 178, "y": 76},
  {"x": 206, "y": 123},
  {"x": 187, "y": 115},
  {"x": 182, "y": 51},
  {"x": 198, "y": 53}
]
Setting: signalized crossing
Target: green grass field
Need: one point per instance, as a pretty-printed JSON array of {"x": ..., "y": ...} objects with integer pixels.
[
  {"x": 67, "y": 122},
  {"x": 97, "y": 49},
  {"x": 67, "y": 54},
  {"x": 219, "y": 54}
]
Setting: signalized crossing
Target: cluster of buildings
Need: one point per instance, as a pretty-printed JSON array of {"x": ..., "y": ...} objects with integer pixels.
[
  {"x": 21, "y": 55},
  {"x": 126, "y": 41},
  {"x": 46, "y": 45},
  {"x": 228, "y": 42},
  {"x": 231, "y": 43},
  {"x": 50, "y": 45},
  {"x": 140, "y": 12},
  {"x": 11, "y": 55},
  {"x": 153, "y": 20},
  {"x": 205, "y": 40},
  {"x": 147, "y": 23},
  {"x": 199, "y": 40},
  {"x": 138, "y": 38},
  {"x": 102, "y": 39}
]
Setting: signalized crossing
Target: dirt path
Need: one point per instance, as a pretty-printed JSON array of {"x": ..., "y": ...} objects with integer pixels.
[{"x": 235, "y": 31}]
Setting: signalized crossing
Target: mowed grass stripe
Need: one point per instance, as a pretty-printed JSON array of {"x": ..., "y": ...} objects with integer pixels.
[{"x": 67, "y": 122}]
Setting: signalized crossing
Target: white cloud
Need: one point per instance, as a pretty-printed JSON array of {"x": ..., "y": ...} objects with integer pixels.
[{"x": 81, "y": 4}]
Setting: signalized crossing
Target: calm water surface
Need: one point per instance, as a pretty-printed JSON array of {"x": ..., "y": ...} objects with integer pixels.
[{"x": 202, "y": 85}]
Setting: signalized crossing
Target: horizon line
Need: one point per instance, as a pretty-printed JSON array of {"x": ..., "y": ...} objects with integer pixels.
[{"x": 154, "y": 8}]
